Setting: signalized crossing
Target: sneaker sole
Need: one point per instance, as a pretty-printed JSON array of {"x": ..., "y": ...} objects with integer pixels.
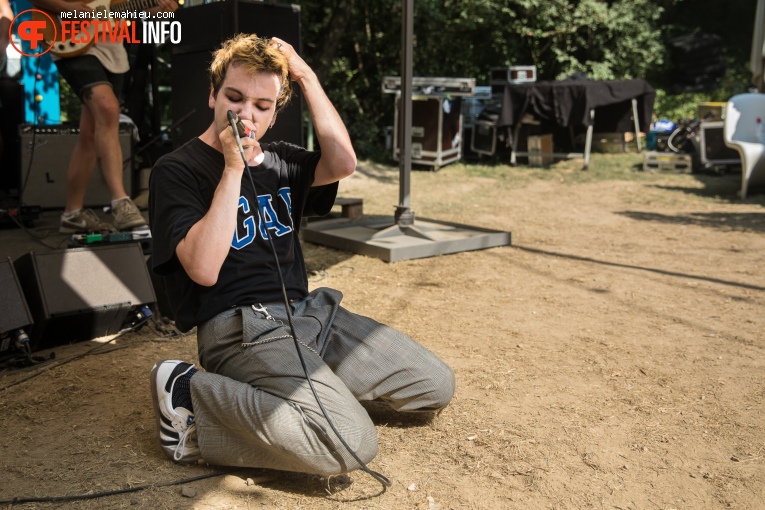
[
  {"x": 131, "y": 226},
  {"x": 157, "y": 419},
  {"x": 155, "y": 399}
]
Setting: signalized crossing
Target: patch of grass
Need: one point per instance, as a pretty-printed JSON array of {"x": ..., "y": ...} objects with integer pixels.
[
  {"x": 706, "y": 186},
  {"x": 602, "y": 167}
]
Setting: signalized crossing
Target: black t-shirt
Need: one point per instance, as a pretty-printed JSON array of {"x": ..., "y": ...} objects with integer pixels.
[{"x": 182, "y": 186}]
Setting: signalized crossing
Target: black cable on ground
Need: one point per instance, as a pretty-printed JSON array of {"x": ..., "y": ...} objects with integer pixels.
[
  {"x": 78, "y": 497},
  {"x": 79, "y": 356},
  {"x": 95, "y": 495},
  {"x": 39, "y": 239}
]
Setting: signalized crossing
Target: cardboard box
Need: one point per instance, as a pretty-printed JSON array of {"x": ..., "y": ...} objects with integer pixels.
[
  {"x": 611, "y": 143},
  {"x": 710, "y": 112},
  {"x": 538, "y": 146}
]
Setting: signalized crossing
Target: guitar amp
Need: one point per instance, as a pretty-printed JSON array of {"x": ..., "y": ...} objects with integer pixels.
[
  {"x": 484, "y": 138},
  {"x": 45, "y": 152},
  {"x": 713, "y": 150}
]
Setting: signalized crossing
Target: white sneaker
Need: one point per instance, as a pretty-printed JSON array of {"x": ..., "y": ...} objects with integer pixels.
[
  {"x": 127, "y": 216},
  {"x": 85, "y": 220},
  {"x": 172, "y": 400}
]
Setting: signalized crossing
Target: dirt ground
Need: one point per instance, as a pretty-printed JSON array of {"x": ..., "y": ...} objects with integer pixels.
[{"x": 611, "y": 358}]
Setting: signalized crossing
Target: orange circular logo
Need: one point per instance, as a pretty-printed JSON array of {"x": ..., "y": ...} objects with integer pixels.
[{"x": 36, "y": 31}]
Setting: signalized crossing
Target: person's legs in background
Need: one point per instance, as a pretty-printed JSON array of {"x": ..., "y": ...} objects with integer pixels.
[{"x": 98, "y": 141}]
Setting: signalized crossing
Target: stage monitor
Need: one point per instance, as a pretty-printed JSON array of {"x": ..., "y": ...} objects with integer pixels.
[{"x": 209, "y": 25}]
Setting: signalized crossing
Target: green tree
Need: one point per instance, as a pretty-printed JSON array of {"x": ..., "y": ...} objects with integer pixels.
[{"x": 353, "y": 44}]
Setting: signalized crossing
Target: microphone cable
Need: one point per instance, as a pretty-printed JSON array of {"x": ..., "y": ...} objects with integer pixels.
[{"x": 236, "y": 125}]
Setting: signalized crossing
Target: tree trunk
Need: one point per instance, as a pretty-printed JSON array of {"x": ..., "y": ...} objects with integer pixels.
[{"x": 337, "y": 26}]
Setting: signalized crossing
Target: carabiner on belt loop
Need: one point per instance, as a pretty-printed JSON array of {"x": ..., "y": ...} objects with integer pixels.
[{"x": 264, "y": 311}]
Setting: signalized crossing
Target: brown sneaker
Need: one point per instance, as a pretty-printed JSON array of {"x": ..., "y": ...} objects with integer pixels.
[
  {"x": 84, "y": 221},
  {"x": 127, "y": 216}
]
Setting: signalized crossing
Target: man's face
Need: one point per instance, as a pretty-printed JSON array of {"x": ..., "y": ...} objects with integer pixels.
[{"x": 251, "y": 96}]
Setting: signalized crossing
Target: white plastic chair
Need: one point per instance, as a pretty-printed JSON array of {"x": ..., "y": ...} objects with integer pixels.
[{"x": 741, "y": 114}]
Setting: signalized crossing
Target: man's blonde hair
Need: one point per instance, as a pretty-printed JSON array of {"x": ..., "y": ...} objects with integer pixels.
[{"x": 256, "y": 55}]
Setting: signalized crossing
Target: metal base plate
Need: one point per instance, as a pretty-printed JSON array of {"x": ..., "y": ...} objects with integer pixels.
[{"x": 386, "y": 240}]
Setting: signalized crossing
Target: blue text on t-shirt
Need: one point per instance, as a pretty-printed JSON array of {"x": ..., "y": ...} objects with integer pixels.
[{"x": 268, "y": 219}]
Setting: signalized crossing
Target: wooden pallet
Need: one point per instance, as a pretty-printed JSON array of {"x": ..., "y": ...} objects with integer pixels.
[
  {"x": 352, "y": 208},
  {"x": 667, "y": 162}
]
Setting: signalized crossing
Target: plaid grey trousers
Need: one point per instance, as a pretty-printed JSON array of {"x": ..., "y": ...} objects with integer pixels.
[{"x": 253, "y": 405}]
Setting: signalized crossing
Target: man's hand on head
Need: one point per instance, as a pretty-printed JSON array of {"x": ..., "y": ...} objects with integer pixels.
[{"x": 297, "y": 66}]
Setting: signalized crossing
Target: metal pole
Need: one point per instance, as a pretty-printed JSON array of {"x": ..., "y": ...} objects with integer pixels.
[
  {"x": 404, "y": 216},
  {"x": 637, "y": 124}
]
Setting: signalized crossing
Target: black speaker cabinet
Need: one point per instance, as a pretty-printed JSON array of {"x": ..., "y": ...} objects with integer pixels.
[
  {"x": 211, "y": 24},
  {"x": 14, "y": 312},
  {"x": 82, "y": 293},
  {"x": 11, "y": 117},
  {"x": 484, "y": 139},
  {"x": 712, "y": 145},
  {"x": 48, "y": 148}
]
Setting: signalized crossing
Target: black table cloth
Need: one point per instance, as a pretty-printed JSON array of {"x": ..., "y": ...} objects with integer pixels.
[{"x": 568, "y": 103}]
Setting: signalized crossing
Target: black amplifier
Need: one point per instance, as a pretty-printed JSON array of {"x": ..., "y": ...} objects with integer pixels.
[
  {"x": 484, "y": 138},
  {"x": 713, "y": 150},
  {"x": 45, "y": 153},
  {"x": 11, "y": 116}
]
